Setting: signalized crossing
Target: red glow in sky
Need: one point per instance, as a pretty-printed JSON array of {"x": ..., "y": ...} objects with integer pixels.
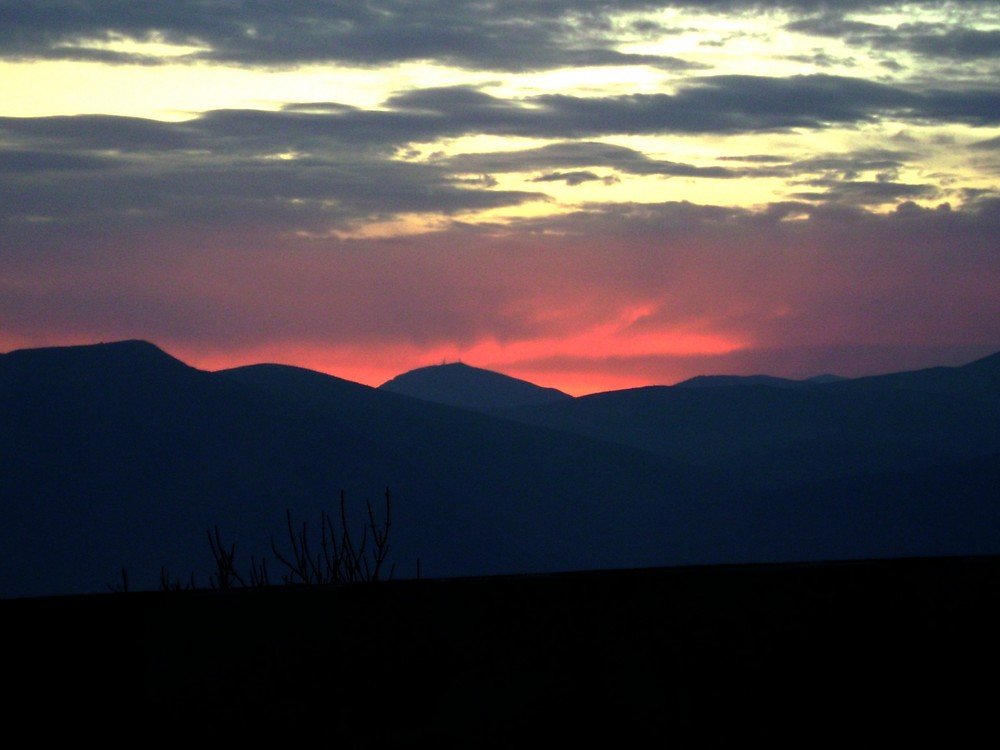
[{"x": 598, "y": 206}]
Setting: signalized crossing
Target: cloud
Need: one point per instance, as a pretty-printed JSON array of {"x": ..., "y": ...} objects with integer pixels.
[
  {"x": 99, "y": 133},
  {"x": 934, "y": 41},
  {"x": 730, "y": 104},
  {"x": 863, "y": 192},
  {"x": 283, "y": 168},
  {"x": 831, "y": 168},
  {"x": 990, "y": 144},
  {"x": 509, "y": 36},
  {"x": 951, "y": 40},
  {"x": 512, "y": 36},
  {"x": 569, "y": 154},
  {"x": 833, "y": 24},
  {"x": 570, "y": 178},
  {"x": 722, "y": 104},
  {"x": 27, "y": 161},
  {"x": 315, "y": 167}
]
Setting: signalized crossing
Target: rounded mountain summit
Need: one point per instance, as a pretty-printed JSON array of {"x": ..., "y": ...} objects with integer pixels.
[{"x": 458, "y": 384}]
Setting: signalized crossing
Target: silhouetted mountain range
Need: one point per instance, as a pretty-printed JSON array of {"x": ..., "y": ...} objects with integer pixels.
[{"x": 120, "y": 455}]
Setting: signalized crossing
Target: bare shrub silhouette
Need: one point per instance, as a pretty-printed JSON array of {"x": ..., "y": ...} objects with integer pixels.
[{"x": 339, "y": 557}]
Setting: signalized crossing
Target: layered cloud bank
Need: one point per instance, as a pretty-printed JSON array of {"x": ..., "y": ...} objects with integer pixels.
[{"x": 590, "y": 195}]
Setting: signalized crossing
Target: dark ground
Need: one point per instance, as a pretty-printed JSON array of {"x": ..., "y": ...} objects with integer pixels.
[{"x": 862, "y": 651}]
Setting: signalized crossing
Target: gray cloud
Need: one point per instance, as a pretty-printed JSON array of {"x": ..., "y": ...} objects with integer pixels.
[
  {"x": 221, "y": 168},
  {"x": 571, "y": 178},
  {"x": 515, "y": 35},
  {"x": 833, "y": 24},
  {"x": 571, "y": 154},
  {"x": 101, "y": 133},
  {"x": 853, "y": 164},
  {"x": 822, "y": 59},
  {"x": 745, "y": 104},
  {"x": 351, "y": 163},
  {"x": 15, "y": 162},
  {"x": 885, "y": 164},
  {"x": 510, "y": 36},
  {"x": 990, "y": 144},
  {"x": 725, "y": 104},
  {"x": 865, "y": 192},
  {"x": 954, "y": 43},
  {"x": 933, "y": 40}
]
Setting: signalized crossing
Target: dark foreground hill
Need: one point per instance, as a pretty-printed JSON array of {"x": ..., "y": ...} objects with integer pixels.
[{"x": 890, "y": 651}]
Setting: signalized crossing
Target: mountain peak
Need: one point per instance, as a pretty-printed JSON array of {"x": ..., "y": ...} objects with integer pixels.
[
  {"x": 111, "y": 361},
  {"x": 462, "y": 385}
]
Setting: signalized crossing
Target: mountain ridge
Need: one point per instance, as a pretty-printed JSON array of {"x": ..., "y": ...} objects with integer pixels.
[
  {"x": 123, "y": 468},
  {"x": 119, "y": 454},
  {"x": 715, "y": 381}
]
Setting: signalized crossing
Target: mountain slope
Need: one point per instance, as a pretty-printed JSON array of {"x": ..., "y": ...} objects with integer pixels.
[
  {"x": 975, "y": 381},
  {"x": 459, "y": 384},
  {"x": 770, "y": 437},
  {"x": 122, "y": 456},
  {"x": 511, "y": 496},
  {"x": 937, "y": 510},
  {"x": 119, "y": 454},
  {"x": 715, "y": 381}
]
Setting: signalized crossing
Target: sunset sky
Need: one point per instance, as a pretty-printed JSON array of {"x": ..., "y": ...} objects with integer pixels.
[{"x": 589, "y": 195}]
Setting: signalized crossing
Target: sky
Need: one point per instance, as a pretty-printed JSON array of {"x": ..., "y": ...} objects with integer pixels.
[{"x": 589, "y": 195}]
